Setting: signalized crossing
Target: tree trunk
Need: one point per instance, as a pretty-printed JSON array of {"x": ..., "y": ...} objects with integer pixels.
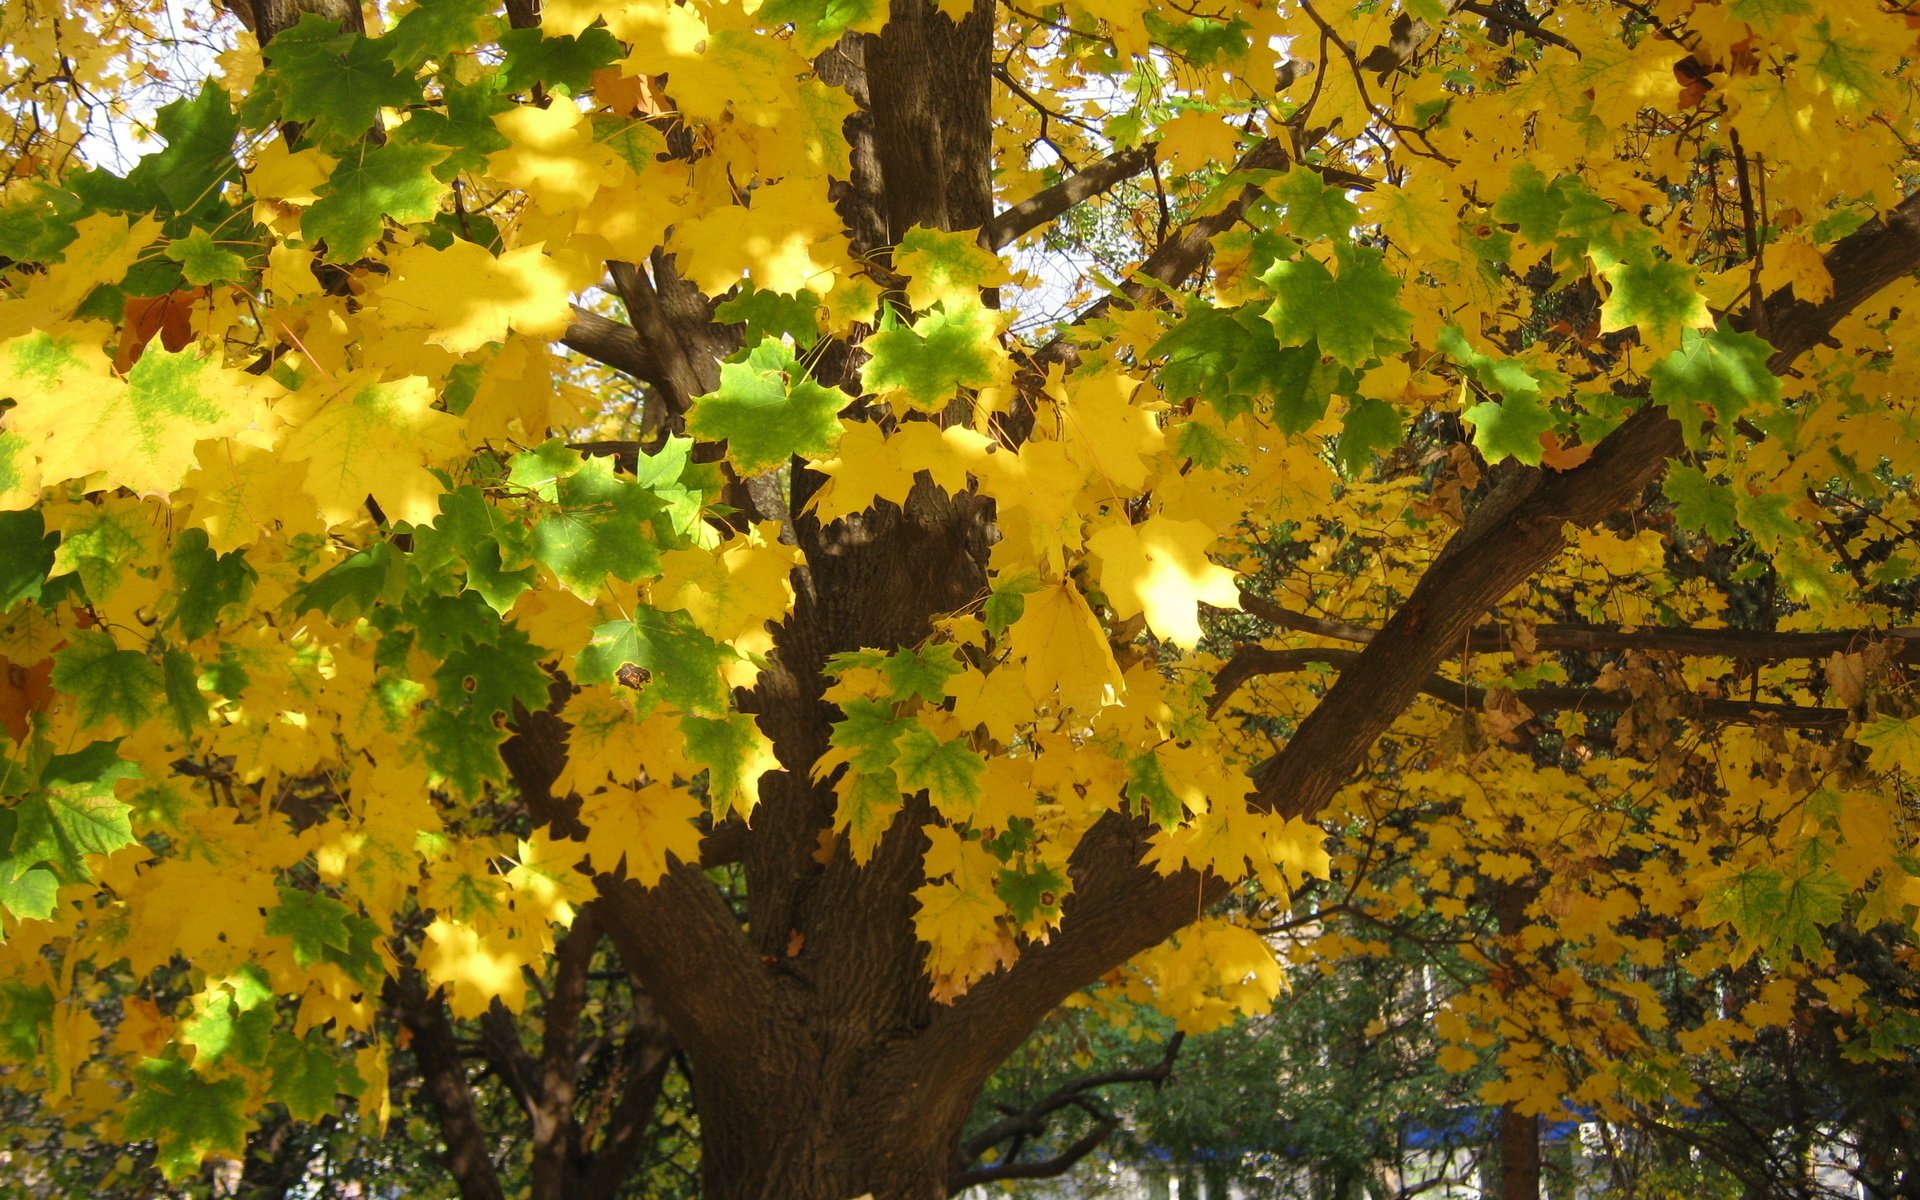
[{"x": 1519, "y": 1137}]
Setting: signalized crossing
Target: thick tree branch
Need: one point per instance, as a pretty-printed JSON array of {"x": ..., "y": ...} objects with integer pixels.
[
  {"x": 646, "y": 1056},
  {"x": 554, "y": 1132},
  {"x": 1251, "y": 661},
  {"x": 1754, "y": 645},
  {"x": 1043, "y": 206},
  {"x": 444, "y": 1082},
  {"x": 612, "y": 343}
]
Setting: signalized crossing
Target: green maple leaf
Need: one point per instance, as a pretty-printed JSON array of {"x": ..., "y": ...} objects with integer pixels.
[
  {"x": 764, "y": 314},
  {"x": 307, "y": 1075},
  {"x": 71, "y": 812},
  {"x": 314, "y": 923},
  {"x": 682, "y": 664},
  {"x": 1352, "y": 315},
  {"x": 106, "y": 680},
  {"x": 366, "y": 188},
  {"x": 462, "y": 127},
  {"x": 30, "y": 896},
  {"x": 1297, "y": 381},
  {"x": 1718, "y": 370},
  {"x": 1699, "y": 504},
  {"x": 185, "y": 1115},
  {"x": 338, "y": 82},
  {"x": 435, "y": 29},
  {"x": 204, "y": 261},
  {"x": 1533, "y": 204},
  {"x": 26, "y": 891},
  {"x": 180, "y": 683},
  {"x": 206, "y": 583},
  {"x": 187, "y": 175},
  {"x": 1499, "y": 375},
  {"x": 37, "y": 220},
  {"x": 1658, "y": 297},
  {"x": 26, "y": 1019},
  {"x": 866, "y": 734},
  {"x": 1007, "y": 601},
  {"x": 355, "y": 586},
  {"x": 928, "y": 364},
  {"x": 485, "y": 541},
  {"x": 949, "y": 771},
  {"x": 1369, "y": 426},
  {"x": 1765, "y": 517},
  {"x": 231, "y": 1019},
  {"x": 1510, "y": 428},
  {"x": 26, "y": 555},
  {"x": 1147, "y": 786},
  {"x": 817, "y": 24},
  {"x": 495, "y": 675},
  {"x": 603, "y": 528},
  {"x": 1766, "y": 14},
  {"x": 923, "y": 673},
  {"x": 1315, "y": 209},
  {"x": 566, "y": 63},
  {"x": 723, "y": 745},
  {"x": 462, "y": 747},
  {"x": 769, "y": 410},
  {"x": 1202, "y": 350},
  {"x": 1034, "y": 892}
]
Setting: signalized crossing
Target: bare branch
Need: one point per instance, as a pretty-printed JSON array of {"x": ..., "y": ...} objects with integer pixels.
[
  {"x": 1031, "y": 1122},
  {"x": 1716, "y": 643},
  {"x": 1251, "y": 661}
]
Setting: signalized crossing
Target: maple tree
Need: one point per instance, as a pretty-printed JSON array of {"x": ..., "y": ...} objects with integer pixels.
[{"x": 500, "y": 494}]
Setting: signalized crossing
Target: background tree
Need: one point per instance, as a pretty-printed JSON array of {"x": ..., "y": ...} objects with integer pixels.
[{"x": 851, "y": 697}]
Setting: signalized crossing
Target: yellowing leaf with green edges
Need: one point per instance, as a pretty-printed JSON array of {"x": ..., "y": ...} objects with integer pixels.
[
  {"x": 948, "y": 770},
  {"x": 374, "y": 437},
  {"x": 1893, "y": 743},
  {"x": 1160, "y": 568},
  {"x": 947, "y": 267}
]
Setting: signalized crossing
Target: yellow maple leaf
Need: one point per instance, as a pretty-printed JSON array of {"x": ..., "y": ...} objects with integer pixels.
[
  {"x": 139, "y": 433},
  {"x": 107, "y": 246},
  {"x": 374, "y": 437},
  {"x": 465, "y": 297},
  {"x": 1160, "y": 568},
  {"x": 476, "y": 966},
  {"x": 1197, "y": 141},
  {"x": 647, "y": 827},
  {"x": 790, "y": 239},
  {"x": 552, "y": 156},
  {"x": 1066, "y": 651}
]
